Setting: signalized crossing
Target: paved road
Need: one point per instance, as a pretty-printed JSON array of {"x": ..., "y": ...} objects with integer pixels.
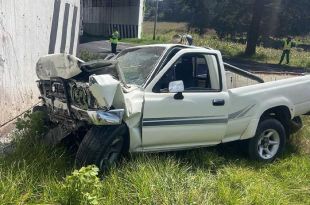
[{"x": 103, "y": 48}]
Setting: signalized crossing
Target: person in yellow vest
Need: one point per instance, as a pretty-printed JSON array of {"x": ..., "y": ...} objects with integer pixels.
[
  {"x": 288, "y": 44},
  {"x": 114, "y": 40}
]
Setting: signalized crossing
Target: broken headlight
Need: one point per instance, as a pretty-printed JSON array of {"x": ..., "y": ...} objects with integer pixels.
[{"x": 81, "y": 97}]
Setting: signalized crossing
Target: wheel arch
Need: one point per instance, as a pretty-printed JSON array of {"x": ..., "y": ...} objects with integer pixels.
[{"x": 282, "y": 112}]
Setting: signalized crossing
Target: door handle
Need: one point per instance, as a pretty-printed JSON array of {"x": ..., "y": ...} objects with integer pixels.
[{"x": 218, "y": 102}]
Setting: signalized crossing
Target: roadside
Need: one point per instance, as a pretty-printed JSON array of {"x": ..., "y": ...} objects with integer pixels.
[{"x": 102, "y": 47}]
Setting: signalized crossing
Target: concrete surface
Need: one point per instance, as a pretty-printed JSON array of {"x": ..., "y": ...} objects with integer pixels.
[{"x": 30, "y": 29}]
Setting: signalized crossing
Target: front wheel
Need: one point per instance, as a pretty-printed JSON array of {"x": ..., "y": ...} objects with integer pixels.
[
  {"x": 102, "y": 146},
  {"x": 269, "y": 141}
]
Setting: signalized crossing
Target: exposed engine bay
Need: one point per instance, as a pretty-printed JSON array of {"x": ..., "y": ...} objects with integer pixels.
[{"x": 74, "y": 90}]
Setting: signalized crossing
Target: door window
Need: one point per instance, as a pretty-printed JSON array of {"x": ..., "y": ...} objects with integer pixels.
[{"x": 199, "y": 72}]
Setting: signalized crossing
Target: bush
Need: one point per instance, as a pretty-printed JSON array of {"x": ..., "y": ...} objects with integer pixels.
[{"x": 81, "y": 187}]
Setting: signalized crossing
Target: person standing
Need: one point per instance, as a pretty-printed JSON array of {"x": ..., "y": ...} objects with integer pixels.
[
  {"x": 288, "y": 44},
  {"x": 114, "y": 40},
  {"x": 184, "y": 39}
]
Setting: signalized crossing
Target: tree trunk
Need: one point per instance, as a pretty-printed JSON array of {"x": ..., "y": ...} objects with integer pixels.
[{"x": 253, "y": 33}]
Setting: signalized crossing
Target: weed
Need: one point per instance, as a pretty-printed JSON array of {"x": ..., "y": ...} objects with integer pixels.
[{"x": 81, "y": 187}]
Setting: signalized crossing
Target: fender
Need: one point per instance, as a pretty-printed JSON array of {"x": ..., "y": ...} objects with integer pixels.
[{"x": 262, "y": 107}]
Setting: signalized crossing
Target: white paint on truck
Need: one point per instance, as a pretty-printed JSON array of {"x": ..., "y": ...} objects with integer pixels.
[{"x": 206, "y": 113}]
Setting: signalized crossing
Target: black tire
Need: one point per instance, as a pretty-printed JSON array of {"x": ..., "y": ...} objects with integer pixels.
[
  {"x": 295, "y": 124},
  {"x": 263, "y": 148},
  {"x": 102, "y": 146}
]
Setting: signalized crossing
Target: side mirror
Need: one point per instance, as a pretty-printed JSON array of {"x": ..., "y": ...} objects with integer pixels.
[{"x": 176, "y": 86}]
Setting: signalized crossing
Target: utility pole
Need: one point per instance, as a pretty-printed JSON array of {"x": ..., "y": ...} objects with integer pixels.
[{"x": 155, "y": 21}]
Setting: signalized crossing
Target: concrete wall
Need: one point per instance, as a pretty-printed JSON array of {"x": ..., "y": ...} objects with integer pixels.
[
  {"x": 99, "y": 17},
  {"x": 30, "y": 29}
]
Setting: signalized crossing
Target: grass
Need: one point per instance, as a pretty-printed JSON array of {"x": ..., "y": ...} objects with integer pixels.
[
  {"x": 228, "y": 48},
  {"x": 36, "y": 174}
]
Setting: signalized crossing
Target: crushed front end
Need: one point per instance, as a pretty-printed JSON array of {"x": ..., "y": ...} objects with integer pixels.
[{"x": 78, "y": 94}]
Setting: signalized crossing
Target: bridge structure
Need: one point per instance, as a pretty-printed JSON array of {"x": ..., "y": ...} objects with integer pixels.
[{"x": 101, "y": 16}]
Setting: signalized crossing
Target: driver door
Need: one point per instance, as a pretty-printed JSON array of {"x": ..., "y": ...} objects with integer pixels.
[{"x": 198, "y": 118}]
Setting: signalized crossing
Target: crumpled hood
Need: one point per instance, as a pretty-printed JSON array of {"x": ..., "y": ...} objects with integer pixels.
[
  {"x": 104, "y": 88},
  {"x": 58, "y": 65}
]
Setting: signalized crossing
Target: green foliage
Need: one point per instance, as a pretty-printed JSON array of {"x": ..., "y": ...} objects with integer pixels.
[
  {"x": 172, "y": 10},
  {"x": 200, "y": 14},
  {"x": 286, "y": 17},
  {"x": 31, "y": 123},
  {"x": 88, "y": 56},
  {"x": 81, "y": 187},
  {"x": 37, "y": 174},
  {"x": 233, "y": 17},
  {"x": 230, "y": 49},
  {"x": 25, "y": 173}
]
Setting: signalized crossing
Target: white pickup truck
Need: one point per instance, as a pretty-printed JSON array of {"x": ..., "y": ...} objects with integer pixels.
[{"x": 162, "y": 98}]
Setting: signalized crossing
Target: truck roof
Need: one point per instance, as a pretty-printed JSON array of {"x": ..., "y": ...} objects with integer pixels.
[{"x": 167, "y": 46}]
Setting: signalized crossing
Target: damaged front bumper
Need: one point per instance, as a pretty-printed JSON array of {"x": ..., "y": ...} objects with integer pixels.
[
  {"x": 70, "y": 101},
  {"x": 95, "y": 117}
]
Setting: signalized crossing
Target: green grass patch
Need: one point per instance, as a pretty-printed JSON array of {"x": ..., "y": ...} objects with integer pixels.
[{"x": 37, "y": 174}]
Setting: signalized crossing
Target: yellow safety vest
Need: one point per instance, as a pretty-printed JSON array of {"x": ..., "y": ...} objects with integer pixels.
[
  {"x": 114, "y": 38},
  {"x": 287, "y": 45}
]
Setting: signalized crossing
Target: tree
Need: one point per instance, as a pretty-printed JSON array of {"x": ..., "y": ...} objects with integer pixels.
[
  {"x": 254, "y": 30},
  {"x": 286, "y": 17},
  {"x": 231, "y": 17},
  {"x": 200, "y": 13}
]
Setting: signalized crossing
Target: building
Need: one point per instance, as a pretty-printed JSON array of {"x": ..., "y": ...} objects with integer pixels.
[
  {"x": 30, "y": 29},
  {"x": 100, "y": 16}
]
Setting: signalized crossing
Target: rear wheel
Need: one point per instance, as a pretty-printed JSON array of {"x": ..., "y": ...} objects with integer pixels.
[
  {"x": 295, "y": 124},
  {"x": 102, "y": 146},
  {"x": 269, "y": 141}
]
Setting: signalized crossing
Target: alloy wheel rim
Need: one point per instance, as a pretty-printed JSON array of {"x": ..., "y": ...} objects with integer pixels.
[{"x": 268, "y": 144}]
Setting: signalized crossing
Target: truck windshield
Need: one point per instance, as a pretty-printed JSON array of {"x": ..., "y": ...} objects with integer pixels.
[{"x": 137, "y": 63}]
